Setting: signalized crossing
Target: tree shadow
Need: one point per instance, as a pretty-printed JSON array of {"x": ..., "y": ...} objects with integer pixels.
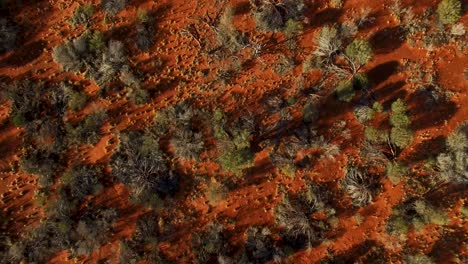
[
  {"x": 432, "y": 112},
  {"x": 391, "y": 92},
  {"x": 242, "y": 8},
  {"x": 449, "y": 245},
  {"x": 388, "y": 39},
  {"x": 382, "y": 72},
  {"x": 367, "y": 252},
  {"x": 24, "y": 54},
  {"x": 426, "y": 149},
  {"x": 327, "y": 16}
]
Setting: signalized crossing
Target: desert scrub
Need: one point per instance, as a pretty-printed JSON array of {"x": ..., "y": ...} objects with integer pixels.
[
  {"x": 292, "y": 28},
  {"x": 360, "y": 51},
  {"x": 449, "y": 11},
  {"x": 358, "y": 185}
]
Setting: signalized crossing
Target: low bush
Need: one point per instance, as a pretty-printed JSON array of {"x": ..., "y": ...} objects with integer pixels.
[
  {"x": 76, "y": 99},
  {"x": 138, "y": 96},
  {"x": 260, "y": 247},
  {"x": 67, "y": 57},
  {"x": 92, "y": 230},
  {"x": 449, "y": 11}
]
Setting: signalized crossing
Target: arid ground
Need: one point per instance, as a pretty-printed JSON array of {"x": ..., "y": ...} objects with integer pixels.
[{"x": 233, "y": 131}]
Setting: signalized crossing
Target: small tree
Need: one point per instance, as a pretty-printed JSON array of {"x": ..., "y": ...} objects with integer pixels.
[
  {"x": 360, "y": 51},
  {"x": 449, "y": 11}
]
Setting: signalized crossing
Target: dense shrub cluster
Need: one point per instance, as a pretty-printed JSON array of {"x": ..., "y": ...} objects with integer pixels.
[
  {"x": 141, "y": 165},
  {"x": 88, "y": 131},
  {"x": 272, "y": 16},
  {"x": 103, "y": 63}
]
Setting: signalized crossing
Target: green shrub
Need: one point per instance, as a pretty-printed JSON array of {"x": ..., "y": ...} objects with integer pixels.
[
  {"x": 18, "y": 120},
  {"x": 360, "y": 51},
  {"x": 77, "y": 101},
  {"x": 138, "y": 96},
  {"x": 395, "y": 171},
  {"x": 375, "y": 135},
  {"x": 142, "y": 15},
  {"x": 399, "y": 106},
  {"x": 292, "y": 28},
  {"x": 399, "y": 120},
  {"x": 96, "y": 42},
  {"x": 401, "y": 137},
  {"x": 82, "y": 14},
  {"x": 377, "y": 106},
  {"x": 235, "y": 160},
  {"x": 345, "y": 91},
  {"x": 449, "y": 11},
  {"x": 429, "y": 214}
]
